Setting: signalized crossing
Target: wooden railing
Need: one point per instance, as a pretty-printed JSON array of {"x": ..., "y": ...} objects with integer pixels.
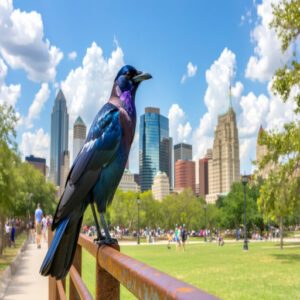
[{"x": 114, "y": 268}]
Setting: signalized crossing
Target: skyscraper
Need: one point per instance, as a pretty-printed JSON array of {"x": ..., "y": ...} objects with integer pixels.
[
  {"x": 184, "y": 175},
  {"x": 37, "y": 162},
  {"x": 155, "y": 149},
  {"x": 224, "y": 168},
  {"x": 79, "y": 135},
  {"x": 183, "y": 151},
  {"x": 160, "y": 186},
  {"x": 59, "y": 136},
  {"x": 203, "y": 173}
]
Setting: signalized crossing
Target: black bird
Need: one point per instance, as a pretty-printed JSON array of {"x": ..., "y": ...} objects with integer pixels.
[{"x": 96, "y": 172}]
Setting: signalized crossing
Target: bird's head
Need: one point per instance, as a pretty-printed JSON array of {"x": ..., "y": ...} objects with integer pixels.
[{"x": 128, "y": 78}]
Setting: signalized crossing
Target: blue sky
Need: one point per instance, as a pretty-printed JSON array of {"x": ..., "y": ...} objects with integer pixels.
[{"x": 193, "y": 49}]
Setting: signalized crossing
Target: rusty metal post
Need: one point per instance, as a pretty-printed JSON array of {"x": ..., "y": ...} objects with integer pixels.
[
  {"x": 107, "y": 286},
  {"x": 77, "y": 263}
]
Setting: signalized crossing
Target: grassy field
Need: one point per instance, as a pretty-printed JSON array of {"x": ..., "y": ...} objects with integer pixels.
[
  {"x": 10, "y": 253},
  {"x": 264, "y": 272}
]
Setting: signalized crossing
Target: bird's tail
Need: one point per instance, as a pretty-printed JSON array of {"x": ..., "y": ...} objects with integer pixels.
[{"x": 59, "y": 257}]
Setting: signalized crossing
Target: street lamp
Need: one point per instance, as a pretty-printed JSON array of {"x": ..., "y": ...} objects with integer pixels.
[
  {"x": 245, "y": 181},
  {"x": 205, "y": 210},
  {"x": 138, "y": 202}
]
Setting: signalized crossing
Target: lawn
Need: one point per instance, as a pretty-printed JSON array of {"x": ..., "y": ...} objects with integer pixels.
[
  {"x": 10, "y": 253},
  {"x": 264, "y": 272}
]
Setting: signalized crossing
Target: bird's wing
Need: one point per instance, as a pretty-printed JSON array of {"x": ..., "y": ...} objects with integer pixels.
[{"x": 98, "y": 151}]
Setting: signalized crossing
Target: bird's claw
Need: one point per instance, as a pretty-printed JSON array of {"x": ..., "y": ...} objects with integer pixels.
[{"x": 107, "y": 242}]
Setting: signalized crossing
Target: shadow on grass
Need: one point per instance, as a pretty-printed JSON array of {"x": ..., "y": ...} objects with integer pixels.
[
  {"x": 287, "y": 258},
  {"x": 288, "y": 244}
]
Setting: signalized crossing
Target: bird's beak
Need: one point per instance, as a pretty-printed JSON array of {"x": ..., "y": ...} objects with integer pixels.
[{"x": 141, "y": 77}]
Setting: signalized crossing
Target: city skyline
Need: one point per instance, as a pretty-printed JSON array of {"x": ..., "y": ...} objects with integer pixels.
[{"x": 192, "y": 71}]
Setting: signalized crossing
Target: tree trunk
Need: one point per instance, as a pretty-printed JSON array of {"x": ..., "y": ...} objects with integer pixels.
[
  {"x": 2, "y": 236},
  {"x": 281, "y": 232}
]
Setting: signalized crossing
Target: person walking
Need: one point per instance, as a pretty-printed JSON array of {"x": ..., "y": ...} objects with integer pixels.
[
  {"x": 183, "y": 236},
  {"x": 13, "y": 234},
  {"x": 44, "y": 228},
  {"x": 38, "y": 225}
]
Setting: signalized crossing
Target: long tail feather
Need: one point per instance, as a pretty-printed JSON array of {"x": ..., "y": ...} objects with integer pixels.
[{"x": 44, "y": 270}]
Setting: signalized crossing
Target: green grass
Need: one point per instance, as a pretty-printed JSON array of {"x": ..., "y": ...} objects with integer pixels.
[
  {"x": 10, "y": 253},
  {"x": 264, "y": 272}
]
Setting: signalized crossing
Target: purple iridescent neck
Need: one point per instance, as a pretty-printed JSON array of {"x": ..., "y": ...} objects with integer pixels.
[{"x": 127, "y": 99}]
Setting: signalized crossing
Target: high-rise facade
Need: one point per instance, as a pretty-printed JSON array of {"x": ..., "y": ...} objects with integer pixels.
[
  {"x": 224, "y": 168},
  {"x": 184, "y": 175},
  {"x": 183, "y": 151},
  {"x": 79, "y": 135},
  {"x": 128, "y": 183},
  {"x": 59, "y": 137},
  {"x": 37, "y": 162},
  {"x": 203, "y": 177},
  {"x": 155, "y": 147},
  {"x": 64, "y": 171},
  {"x": 261, "y": 151},
  {"x": 160, "y": 186}
]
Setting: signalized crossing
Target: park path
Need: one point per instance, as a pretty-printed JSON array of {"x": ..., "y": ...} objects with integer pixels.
[{"x": 27, "y": 283}]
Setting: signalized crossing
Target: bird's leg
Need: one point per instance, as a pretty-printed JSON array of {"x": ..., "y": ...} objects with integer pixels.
[
  {"x": 99, "y": 235},
  {"x": 108, "y": 239}
]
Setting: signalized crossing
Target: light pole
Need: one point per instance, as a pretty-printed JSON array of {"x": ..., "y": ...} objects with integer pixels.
[
  {"x": 205, "y": 210},
  {"x": 138, "y": 202},
  {"x": 245, "y": 181}
]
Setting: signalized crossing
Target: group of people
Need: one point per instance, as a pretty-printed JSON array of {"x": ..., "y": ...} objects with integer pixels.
[
  {"x": 179, "y": 236},
  {"x": 39, "y": 226},
  {"x": 10, "y": 233}
]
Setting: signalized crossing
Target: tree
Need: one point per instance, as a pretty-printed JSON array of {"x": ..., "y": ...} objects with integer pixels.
[
  {"x": 280, "y": 193},
  {"x": 183, "y": 208},
  {"x": 232, "y": 207},
  {"x": 8, "y": 164}
]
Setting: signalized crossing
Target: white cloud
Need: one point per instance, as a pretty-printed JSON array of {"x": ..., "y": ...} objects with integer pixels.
[
  {"x": 36, "y": 143},
  {"x": 216, "y": 99},
  {"x": 22, "y": 43},
  {"x": 191, "y": 71},
  {"x": 37, "y": 105},
  {"x": 179, "y": 129},
  {"x": 88, "y": 87},
  {"x": 72, "y": 55},
  {"x": 9, "y": 94},
  {"x": 267, "y": 52}
]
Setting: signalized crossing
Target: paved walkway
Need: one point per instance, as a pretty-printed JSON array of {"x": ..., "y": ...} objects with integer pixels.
[{"x": 27, "y": 283}]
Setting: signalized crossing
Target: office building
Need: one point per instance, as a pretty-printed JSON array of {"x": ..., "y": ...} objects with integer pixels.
[
  {"x": 59, "y": 137},
  {"x": 183, "y": 151},
  {"x": 160, "y": 186},
  {"x": 38, "y": 162},
  {"x": 184, "y": 175},
  {"x": 79, "y": 135},
  {"x": 155, "y": 147},
  {"x": 224, "y": 167},
  {"x": 128, "y": 183}
]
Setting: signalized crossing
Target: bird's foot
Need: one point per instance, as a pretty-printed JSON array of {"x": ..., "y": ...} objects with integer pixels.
[
  {"x": 107, "y": 242},
  {"x": 97, "y": 240}
]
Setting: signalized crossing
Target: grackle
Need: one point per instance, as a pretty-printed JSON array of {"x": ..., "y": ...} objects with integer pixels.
[{"x": 95, "y": 173}]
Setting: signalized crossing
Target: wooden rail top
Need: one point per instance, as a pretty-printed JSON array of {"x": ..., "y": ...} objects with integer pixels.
[
  {"x": 114, "y": 268},
  {"x": 142, "y": 280}
]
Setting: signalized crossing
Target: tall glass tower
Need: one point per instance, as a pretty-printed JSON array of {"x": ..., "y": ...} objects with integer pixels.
[
  {"x": 59, "y": 136},
  {"x": 155, "y": 149}
]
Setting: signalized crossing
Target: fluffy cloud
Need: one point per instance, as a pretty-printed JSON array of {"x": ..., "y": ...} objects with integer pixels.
[
  {"x": 9, "y": 94},
  {"x": 22, "y": 43},
  {"x": 39, "y": 100},
  {"x": 72, "y": 55},
  {"x": 36, "y": 143},
  {"x": 267, "y": 52},
  {"x": 216, "y": 99},
  {"x": 179, "y": 129},
  {"x": 191, "y": 71},
  {"x": 88, "y": 87}
]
